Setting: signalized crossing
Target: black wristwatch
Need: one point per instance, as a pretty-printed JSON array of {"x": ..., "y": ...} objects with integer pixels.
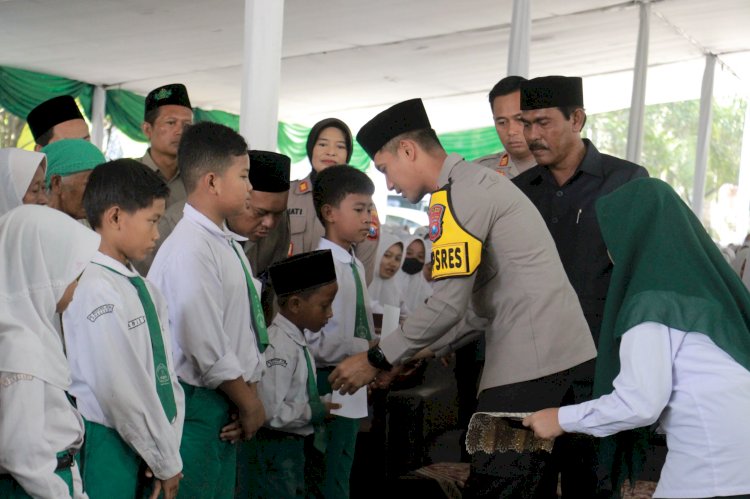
[{"x": 376, "y": 358}]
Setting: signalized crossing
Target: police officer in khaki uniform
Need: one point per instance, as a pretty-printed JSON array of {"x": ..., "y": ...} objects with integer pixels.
[
  {"x": 505, "y": 101},
  {"x": 329, "y": 143},
  {"x": 493, "y": 255},
  {"x": 168, "y": 111}
]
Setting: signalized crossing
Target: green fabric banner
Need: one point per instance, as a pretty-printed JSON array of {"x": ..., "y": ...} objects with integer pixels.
[{"x": 21, "y": 91}]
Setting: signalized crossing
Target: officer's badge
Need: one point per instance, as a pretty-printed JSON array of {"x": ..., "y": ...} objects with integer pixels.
[
  {"x": 436, "y": 221},
  {"x": 162, "y": 94},
  {"x": 304, "y": 186},
  {"x": 374, "y": 226}
]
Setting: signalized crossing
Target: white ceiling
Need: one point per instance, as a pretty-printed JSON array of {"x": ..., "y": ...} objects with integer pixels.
[{"x": 351, "y": 58}]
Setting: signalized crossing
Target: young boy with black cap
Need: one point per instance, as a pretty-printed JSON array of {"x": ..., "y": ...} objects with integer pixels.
[
  {"x": 306, "y": 286},
  {"x": 343, "y": 203},
  {"x": 117, "y": 329}
]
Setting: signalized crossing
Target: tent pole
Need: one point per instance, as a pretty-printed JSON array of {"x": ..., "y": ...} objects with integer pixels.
[
  {"x": 98, "y": 105},
  {"x": 520, "y": 39},
  {"x": 638, "y": 97},
  {"x": 261, "y": 72},
  {"x": 703, "y": 144}
]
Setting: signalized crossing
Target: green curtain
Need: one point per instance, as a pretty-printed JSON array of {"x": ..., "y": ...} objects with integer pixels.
[{"x": 21, "y": 91}]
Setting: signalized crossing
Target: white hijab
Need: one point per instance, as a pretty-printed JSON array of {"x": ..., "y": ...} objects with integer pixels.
[
  {"x": 415, "y": 288},
  {"x": 43, "y": 252},
  {"x": 17, "y": 168},
  {"x": 384, "y": 291}
]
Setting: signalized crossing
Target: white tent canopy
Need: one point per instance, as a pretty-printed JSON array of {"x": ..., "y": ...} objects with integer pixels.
[{"x": 351, "y": 58}]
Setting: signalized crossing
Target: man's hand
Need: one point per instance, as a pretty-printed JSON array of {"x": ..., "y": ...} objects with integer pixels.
[
  {"x": 168, "y": 486},
  {"x": 544, "y": 423},
  {"x": 330, "y": 406},
  {"x": 352, "y": 374},
  {"x": 384, "y": 378}
]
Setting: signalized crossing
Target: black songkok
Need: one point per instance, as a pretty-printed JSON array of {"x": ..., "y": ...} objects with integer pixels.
[
  {"x": 551, "y": 91},
  {"x": 302, "y": 272},
  {"x": 49, "y": 113},
  {"x": 269, "y": 171},
  {"x": 174, "y": 94},
  {"x": 401, "y": 118}
]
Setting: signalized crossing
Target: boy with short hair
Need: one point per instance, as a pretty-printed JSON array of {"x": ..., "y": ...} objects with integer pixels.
[
  {"x": 343, "y": 202},
  {"x": 118, "y": 343},
  {"x": 306, "y": 286},
  {"x": 214, "y": 309}
]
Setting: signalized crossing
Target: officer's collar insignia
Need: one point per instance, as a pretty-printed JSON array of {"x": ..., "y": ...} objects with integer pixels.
[{"x": 304, "y": 186}]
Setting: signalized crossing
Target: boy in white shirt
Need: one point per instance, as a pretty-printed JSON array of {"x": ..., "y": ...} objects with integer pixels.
[
  {"x": 343, "y": 202},
  {"x": 116, "y": 329},
  {"x": 306, "y": 286},
  {"x": 214, "y": 309}
]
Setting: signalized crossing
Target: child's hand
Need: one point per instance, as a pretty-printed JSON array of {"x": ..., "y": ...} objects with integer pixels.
[
  {"x": 168, "y": 486},
  {"x": 329, "y": 407},
  {"x": 544, "y": 423},
  {"x": 252, "y": 419},
  {"x": 232, "y": 432}
]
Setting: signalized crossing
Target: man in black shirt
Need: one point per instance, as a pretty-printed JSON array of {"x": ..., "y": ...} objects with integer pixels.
[{"x": 571, "y": 174}]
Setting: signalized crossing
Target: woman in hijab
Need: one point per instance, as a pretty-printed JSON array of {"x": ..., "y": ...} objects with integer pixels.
[
  {"x": 416, "y": 288},
  {"x": 21, "y": 178},
  {"x": 674, "y": 348},
  {"x": 44, "y": 251},
  {"x": 384, "y": 288},
  {"x": 329, "y": 143}
]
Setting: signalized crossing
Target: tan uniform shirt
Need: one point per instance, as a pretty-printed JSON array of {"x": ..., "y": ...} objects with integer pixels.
[
  {"x": 177, "y": 191},
  {"x": 501, "y": 162},
  {"x": 306, "y": 230},
  {"x": 536, "y": 326}
]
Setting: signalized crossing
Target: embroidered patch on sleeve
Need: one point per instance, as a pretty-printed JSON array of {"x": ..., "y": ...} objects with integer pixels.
[
  {"x": 275, "y": 362},
  {"x": 132, "y": 324},
  {"x": 99, "y": 311}
]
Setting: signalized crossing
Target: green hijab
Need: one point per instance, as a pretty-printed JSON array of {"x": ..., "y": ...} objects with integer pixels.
[{"x": 666, "y": 270}]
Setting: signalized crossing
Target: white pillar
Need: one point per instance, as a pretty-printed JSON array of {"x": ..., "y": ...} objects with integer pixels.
[
  {"x": 520, "y": 39},
  {"x": 261, "y": 72},
  {"x": 638, "y": 97},
  {"x": 98, "y": 105},
  {"x": 743, "y": 182},
  {"x": 704, "y": 136}
]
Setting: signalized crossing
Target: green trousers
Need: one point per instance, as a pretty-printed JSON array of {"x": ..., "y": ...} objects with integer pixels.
[
  {"x": 273, "y": 466},
  {"x": 110, "y": 469},
  {"x": 209, "y": 464},
  {"x": 327, "y": 476},
  {"x": 11, "y": 489}
]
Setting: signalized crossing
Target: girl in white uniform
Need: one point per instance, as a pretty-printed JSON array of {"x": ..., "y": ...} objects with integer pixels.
[
  {"x": 44, "y": 251},
  {"x": 674, "y": 348}
]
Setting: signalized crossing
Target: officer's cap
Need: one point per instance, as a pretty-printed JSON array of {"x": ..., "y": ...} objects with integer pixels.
[{"x": 401, "y": 118}]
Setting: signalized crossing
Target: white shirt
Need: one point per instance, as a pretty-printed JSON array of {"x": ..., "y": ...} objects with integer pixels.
[
  {"x": 283, "y": 387},
  {"x": 108, "y": 341},
  {"x": 203, "y": 281},
  {"x": 42, "y": 424},
  {"x": 701, "y": 398},
  {"x": 336, "y": 340}
]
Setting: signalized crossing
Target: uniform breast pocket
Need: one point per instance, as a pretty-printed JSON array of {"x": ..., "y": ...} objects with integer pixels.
[{"x": 297, "y": 224}]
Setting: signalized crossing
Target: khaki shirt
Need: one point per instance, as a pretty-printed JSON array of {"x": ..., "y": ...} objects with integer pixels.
[
  {"x": 536, "y": 326},
  {"x": 306, "y": 230},
  {"x": 177, "y": 191},
  {"x": 501, "y": 162}
]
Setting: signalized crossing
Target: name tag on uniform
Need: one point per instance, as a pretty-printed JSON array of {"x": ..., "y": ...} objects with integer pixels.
[{"x": 455, "y": 251}]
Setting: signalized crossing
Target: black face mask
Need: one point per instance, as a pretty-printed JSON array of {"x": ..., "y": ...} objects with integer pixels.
[{"x": 412, "y": 266}]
